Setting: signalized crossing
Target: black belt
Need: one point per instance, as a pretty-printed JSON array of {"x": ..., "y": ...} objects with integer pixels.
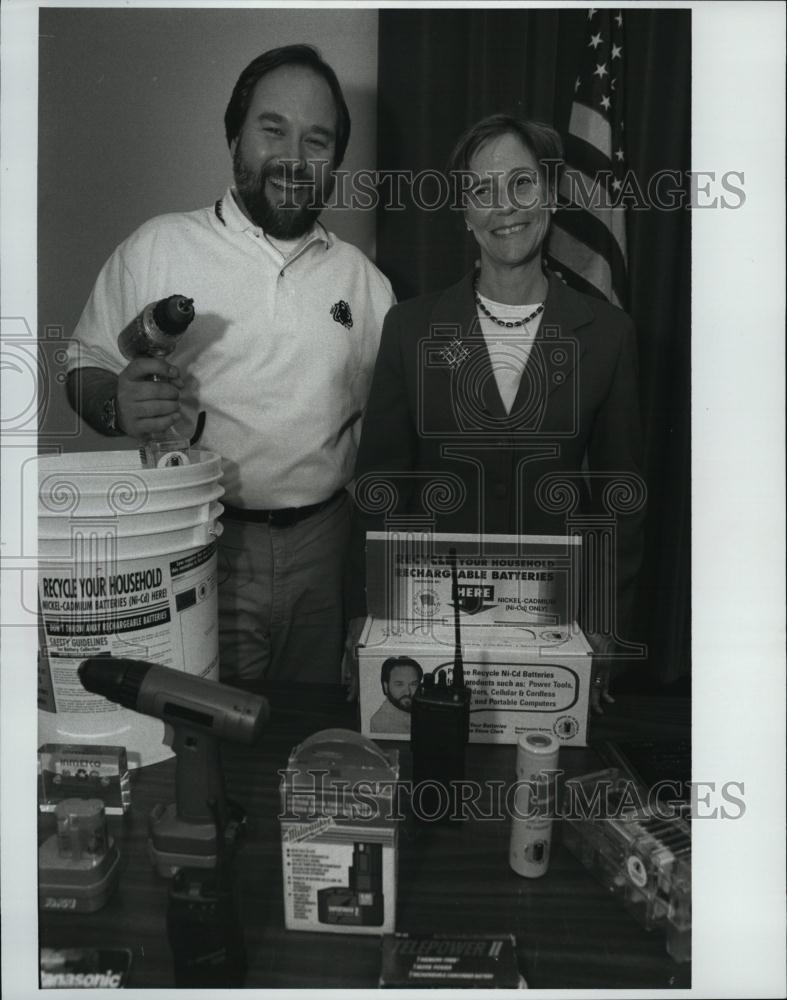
[{"x": 281, "y": 517}]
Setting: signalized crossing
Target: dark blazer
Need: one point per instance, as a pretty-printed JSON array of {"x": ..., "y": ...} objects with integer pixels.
[{"x": 438, "y": 447}]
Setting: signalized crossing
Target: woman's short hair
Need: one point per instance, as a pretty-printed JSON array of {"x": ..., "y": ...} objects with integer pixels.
[
  {"x": 542, "y": 140},
  {"x": 286, "y": 55}
]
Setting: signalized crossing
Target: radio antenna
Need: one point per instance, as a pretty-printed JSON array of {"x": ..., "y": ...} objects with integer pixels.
[{"x": 459, "y": 670}]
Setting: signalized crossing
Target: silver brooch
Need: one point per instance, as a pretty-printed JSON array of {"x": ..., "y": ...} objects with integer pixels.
[{"x": 455, "y": 353}]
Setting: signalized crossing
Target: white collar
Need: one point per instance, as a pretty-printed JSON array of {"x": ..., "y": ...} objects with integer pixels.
[{"x": 229, "y": 214}]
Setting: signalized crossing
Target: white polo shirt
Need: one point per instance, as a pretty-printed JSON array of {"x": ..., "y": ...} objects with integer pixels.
[{"x": 279, "y": 357}]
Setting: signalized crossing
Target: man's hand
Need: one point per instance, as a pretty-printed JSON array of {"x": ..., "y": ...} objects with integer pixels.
[{"x": 148, "y": 393}]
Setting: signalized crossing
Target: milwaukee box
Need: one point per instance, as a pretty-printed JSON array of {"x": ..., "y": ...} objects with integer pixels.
[
  {"x": 339, "y": 826},
  {"x": 526, "y": 662}
]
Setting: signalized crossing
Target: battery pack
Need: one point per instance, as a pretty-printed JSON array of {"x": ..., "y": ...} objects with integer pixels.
[
  {"x": 640, "y": 854},
  {"x": 79, "y": 866}
]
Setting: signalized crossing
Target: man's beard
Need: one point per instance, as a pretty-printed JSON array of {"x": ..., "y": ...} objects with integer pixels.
[
  {"x": 404, "y": 704},
  {"x": 286, "y": 223}
]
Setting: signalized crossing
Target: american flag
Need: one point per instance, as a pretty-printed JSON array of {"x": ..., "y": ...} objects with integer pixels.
[{"x": 587, "y": 243}]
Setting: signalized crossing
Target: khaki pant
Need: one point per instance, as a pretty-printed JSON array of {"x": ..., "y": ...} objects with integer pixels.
[{"x": 280, "y": 597}]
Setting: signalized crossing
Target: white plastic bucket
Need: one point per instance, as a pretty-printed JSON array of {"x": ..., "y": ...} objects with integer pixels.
[{"x": 126, "y": 565}]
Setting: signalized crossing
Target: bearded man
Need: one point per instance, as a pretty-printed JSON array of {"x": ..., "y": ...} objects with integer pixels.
[
  {"x": 399, "y": 677},
  {"x": 274, "y": 371}
]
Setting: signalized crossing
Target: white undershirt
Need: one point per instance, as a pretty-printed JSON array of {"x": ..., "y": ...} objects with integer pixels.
[
  {"x": 286, "y": 247},
  {"x": 509, "y": 347}
]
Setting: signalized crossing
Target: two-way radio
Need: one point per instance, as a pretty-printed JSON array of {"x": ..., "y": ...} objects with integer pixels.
[{"x": 439, "y": 731}]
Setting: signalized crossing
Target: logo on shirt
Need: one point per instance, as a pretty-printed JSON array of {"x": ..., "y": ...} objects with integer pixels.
[{"x": 341, "y": 313}]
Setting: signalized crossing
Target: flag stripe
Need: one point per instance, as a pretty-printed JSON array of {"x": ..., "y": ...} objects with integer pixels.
[
  {"x": 586, "y": 223},
  {"x": 585, "y": 156},
  {"x": 572, "y": 252},
  {"x": 592, "y": 126}
]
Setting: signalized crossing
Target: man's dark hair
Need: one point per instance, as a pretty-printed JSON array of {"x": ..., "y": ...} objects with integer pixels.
[
  {"x": 542, "y": 140},
  {"x": 287, "y": 55},
  {"x": 399, "y": 661}
]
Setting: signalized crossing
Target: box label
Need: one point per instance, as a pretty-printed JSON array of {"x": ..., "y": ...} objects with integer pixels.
[{"x": 500, "y": 578}]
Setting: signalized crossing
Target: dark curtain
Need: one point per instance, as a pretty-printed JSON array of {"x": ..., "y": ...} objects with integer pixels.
[{"x": 440, "y": 71}]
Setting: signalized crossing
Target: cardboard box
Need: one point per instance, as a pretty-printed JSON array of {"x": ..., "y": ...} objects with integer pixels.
[
  {"x": 339, "y": 829},
  {"x": 527, "y": 663}
]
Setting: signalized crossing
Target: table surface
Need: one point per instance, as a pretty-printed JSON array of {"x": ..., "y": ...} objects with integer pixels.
[{"x": 570, "y": 932}]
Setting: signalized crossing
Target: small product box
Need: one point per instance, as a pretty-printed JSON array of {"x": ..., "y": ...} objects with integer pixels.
[
  {"x": 339, "y": 828},
  {"x": 77, "y": 770},
  {"x": 450, "y": 961},
  {"x": 526, "y": 661}
]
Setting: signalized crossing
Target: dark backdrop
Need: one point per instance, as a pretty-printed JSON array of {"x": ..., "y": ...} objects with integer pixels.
[{"x": 441, "y": 70}]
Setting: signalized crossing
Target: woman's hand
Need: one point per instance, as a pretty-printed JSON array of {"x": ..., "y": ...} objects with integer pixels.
[
  {"x": 602, "y": 671},
  {"x": 350, "y": 658}
]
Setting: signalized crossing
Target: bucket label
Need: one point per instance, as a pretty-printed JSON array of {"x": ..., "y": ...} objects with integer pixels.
[
  {"x": 162, "y": 610},
  {"x": 193, "y": 561}
]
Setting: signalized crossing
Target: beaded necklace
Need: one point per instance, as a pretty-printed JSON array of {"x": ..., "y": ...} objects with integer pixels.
[{"x": 502, "y": 322}]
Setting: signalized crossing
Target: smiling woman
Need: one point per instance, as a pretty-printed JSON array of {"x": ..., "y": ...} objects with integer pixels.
[{"x": 507, "y": 203}]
